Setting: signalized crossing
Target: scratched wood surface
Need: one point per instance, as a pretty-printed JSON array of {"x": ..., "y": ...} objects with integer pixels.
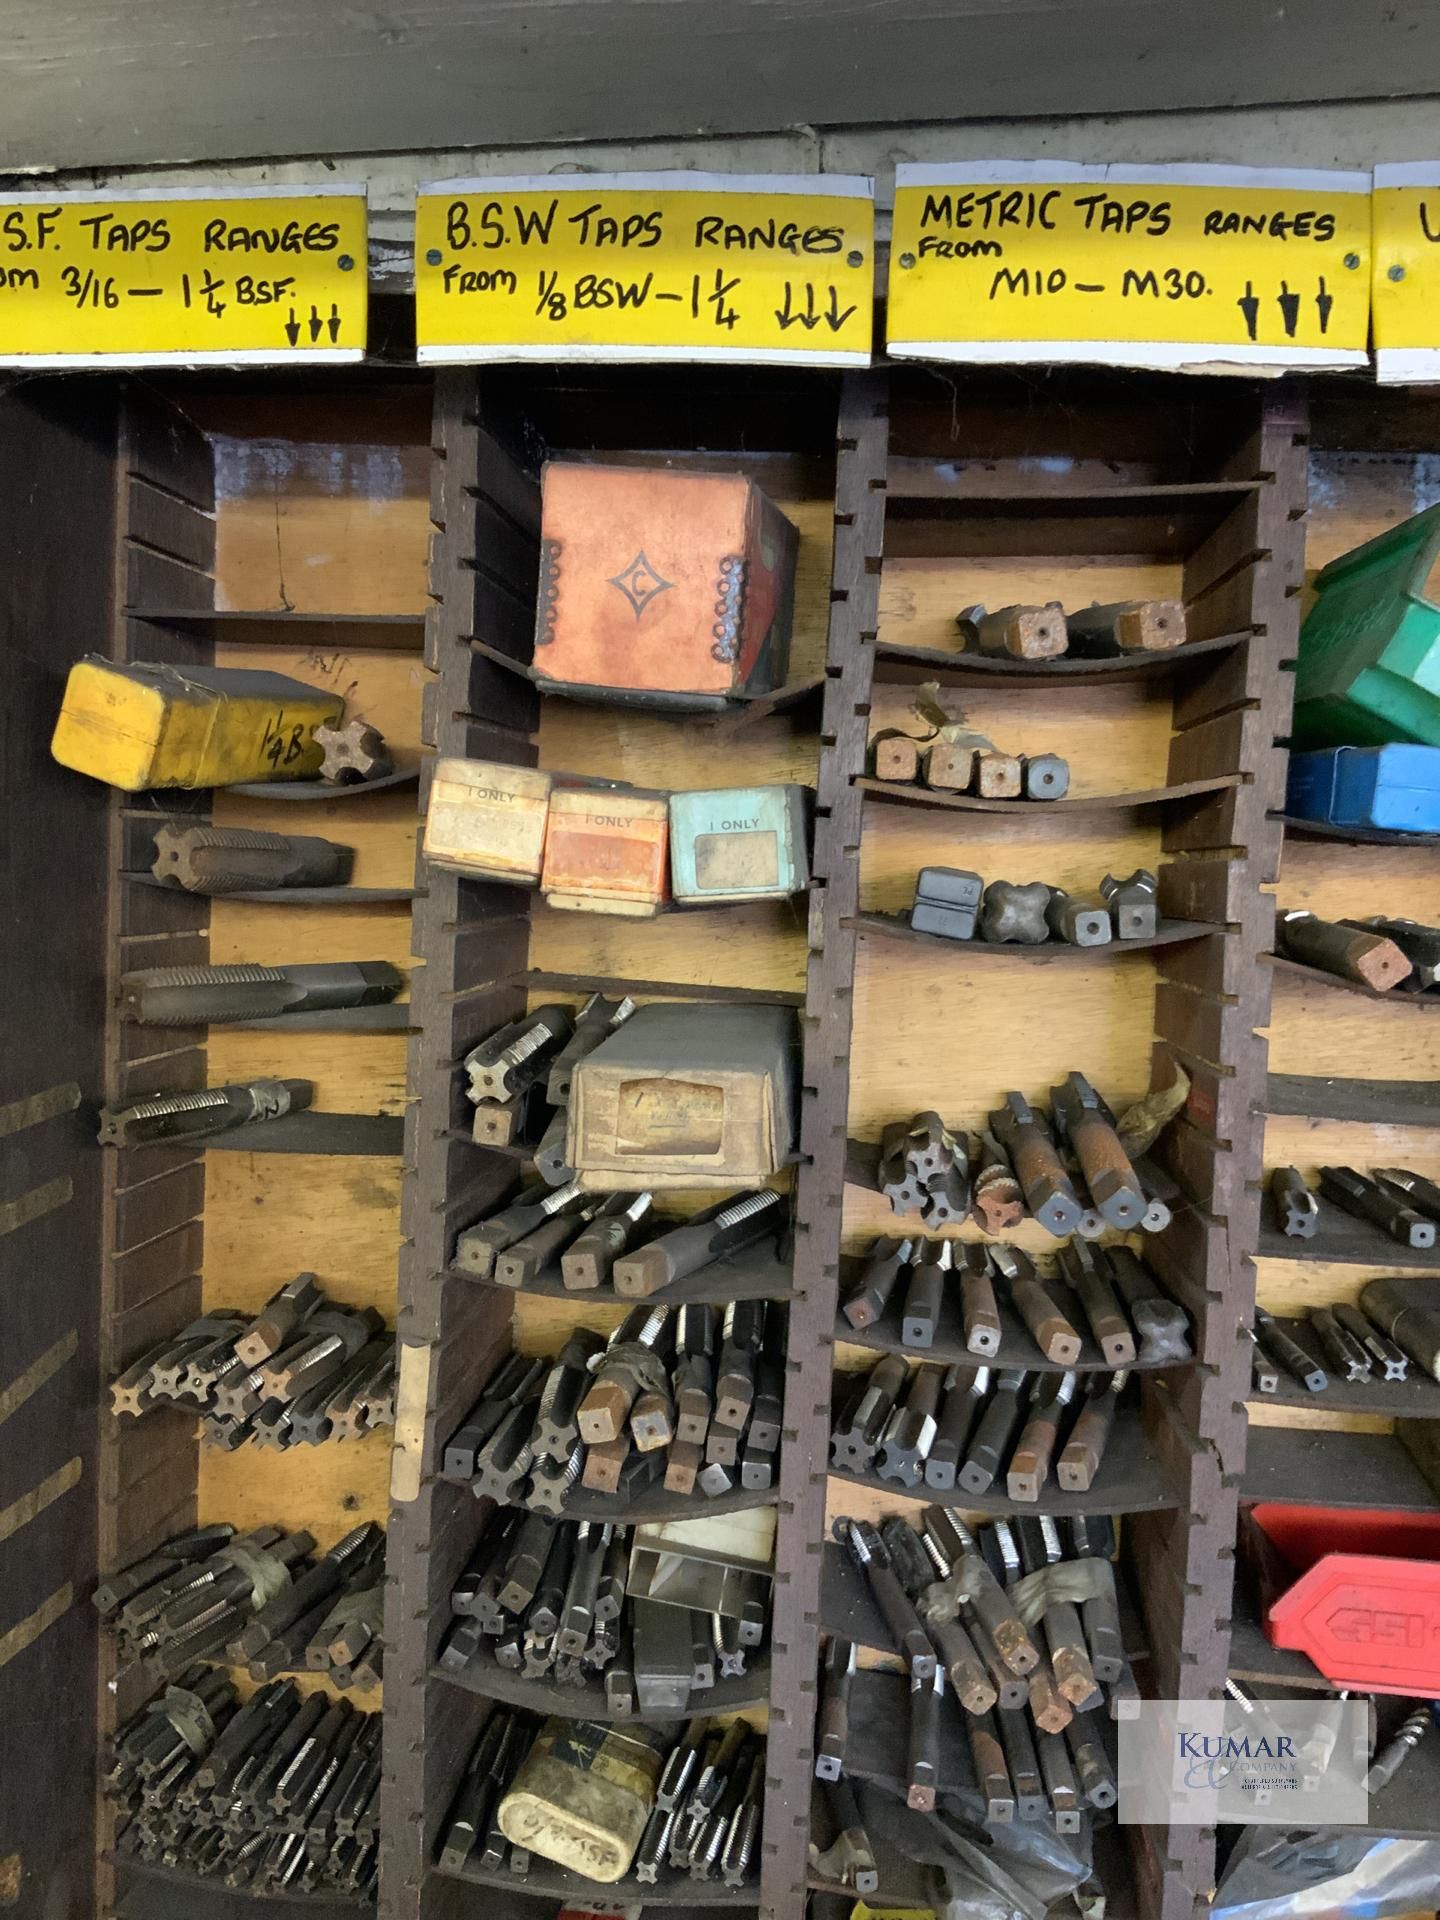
[
  {"x": 1355, "y": 494},
  {"x": 322, "y": 507},
  {"x": 322, "y": 501}
]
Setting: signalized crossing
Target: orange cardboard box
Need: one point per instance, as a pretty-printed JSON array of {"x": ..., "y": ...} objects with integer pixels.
[
  {"x": 607, "y": 851},
  {"x": 662, "y": 588}
]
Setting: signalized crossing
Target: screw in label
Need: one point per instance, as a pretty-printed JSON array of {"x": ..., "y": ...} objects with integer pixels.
[
  {"x": 433, "y": 256},
  {"x": 1396, "y": 273},
  {"x": 345, "y": 262},
  {"x": 907, "y": 259}
]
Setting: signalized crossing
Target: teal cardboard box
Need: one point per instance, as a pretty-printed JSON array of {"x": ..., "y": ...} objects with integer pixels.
[{"x": 739, "y": 843}]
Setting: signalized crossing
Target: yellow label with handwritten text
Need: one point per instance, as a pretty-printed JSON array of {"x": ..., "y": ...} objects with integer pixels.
[
  {"x": 1405, "y": 292},
  {"x": 1159, "y": 266},
  {"x": 667, "y": 266},
  {"x": 180, "y": 279}
]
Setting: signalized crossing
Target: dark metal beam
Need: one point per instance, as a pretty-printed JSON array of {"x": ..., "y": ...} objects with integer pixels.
[{"x": 88, "y": 84}]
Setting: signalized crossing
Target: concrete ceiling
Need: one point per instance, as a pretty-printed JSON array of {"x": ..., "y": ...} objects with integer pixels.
[{"x": 112, "y": 83}]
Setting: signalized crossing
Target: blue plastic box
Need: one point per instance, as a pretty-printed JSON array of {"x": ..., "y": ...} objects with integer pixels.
[
  {"x": 738, "y": 843},
  {"x": 1395, "y": 787}
]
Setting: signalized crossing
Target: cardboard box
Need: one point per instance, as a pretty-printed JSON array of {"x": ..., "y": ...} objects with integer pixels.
[
  {"x": 662, "y": 588},
  {"x": 145, "y": 725},
  {"x": 686, "y": 1095},
  {"x": 607, "y": 850},
  {"x": 488, "y": 819},
  {"x": 739, "y": 843}
]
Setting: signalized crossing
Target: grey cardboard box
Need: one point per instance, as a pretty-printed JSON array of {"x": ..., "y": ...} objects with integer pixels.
[{"x": 686, "y": 1095}]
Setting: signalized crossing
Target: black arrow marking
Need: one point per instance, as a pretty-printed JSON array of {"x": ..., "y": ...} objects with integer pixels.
[
  {"x": 835, "y": 319},
  {"x": 1289, "y": 309},
  {"x": 292, "y": 329},
  {"x": 334, "y": 321},
  {"x": 1250, "y": 307},
  {"x": 788, "y": 317},
  {"x": 1324, "y": 302},
  {"x": 316, "y": 323}
]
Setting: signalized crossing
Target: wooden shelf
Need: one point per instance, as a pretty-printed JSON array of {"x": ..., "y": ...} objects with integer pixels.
[
  {"x": 370, "y": 1134},
  {"x": 904, "y": 795},
  {"x": 483, "y": 1675},
  {"x": 1354, "y": 836},
  {"x": 286, "y": 627},
  {"x": 223, "y": 617},
  {"x": 1131, "y": 1480},
  {"x": 1426, "y": 1002},
  {"x": 537, "y": 981},
  {"x": 305, "y": 791},
  {"x": 1340, "y": 1241},
  {"x": 672, "y": 1890},
  {"x": 1017, "y": 1345},
  {"x": 205, "y": 1894},
  {"x": 756, "y": 1273},
  {"x": 892, "y": 927},
  {"x": 908, "y": 666},
  {"x": 733, "y": 717},
  {"x": 283, "y": 896},
  {"x": 940, "y": 483},
  {"x": 1416, "y": 1397},
  {"x": 1305, "y": 1467},
  {"x": 390, "y": 1017},
  {"x": 1375, "y": 1103}
]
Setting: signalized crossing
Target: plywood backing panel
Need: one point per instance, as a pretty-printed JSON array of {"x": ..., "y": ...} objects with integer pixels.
[
  {"x": 318, "y": 525},
  {"x": 919, "y": 598},
  {"x": 1316, "y": 1029},
  {"x": 760, "y": 946},
  {"x": 380, "y": 829},
  {"x": 1115, "y": 738},
  {"x": 271, "y": 1216},
  {"x": 352, "y": 1072},
  {"x": 956, "y": 1038},
  {"x": 1339, "y": 881},
  {"x": 1070, "y": 850},
  {"x": 612, "y": 744},
  {"x": 1357, "y": 494},
  {"x": 327, "y": 1489}
]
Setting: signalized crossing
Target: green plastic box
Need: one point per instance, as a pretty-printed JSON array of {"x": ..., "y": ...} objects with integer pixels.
[{"x": 1369, "y": 665}]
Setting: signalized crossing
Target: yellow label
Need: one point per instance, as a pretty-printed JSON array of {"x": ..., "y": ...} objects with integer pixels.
[
  {"x": 1163, "y": 266},
  {"x": 167, "y": 279},
  {"x": 1405, "y": 289},
  {"x": 862, "y": 1910},
  {"x": 646, "y": 266}
]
